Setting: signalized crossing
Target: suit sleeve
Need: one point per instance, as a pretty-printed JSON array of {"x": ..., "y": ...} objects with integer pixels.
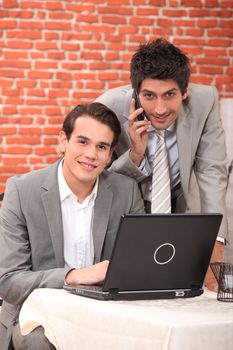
[
  {"x": 18, "y": 276},
  {"x": 119, "y": 101},
  {"x": 211, "y": 165}
]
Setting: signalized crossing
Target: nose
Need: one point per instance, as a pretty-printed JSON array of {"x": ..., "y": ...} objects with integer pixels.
[
  {"x": 160, "y": 107},
  {"x": 91, "y": 152}
]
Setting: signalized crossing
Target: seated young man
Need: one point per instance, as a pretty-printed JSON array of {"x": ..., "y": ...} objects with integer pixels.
[{"x": 58, "y": 224}]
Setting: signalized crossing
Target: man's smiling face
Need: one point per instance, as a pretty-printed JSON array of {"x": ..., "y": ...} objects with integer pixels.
[
  {"x": 161, "y": 101},
  {"x": 86, "y": 153}
]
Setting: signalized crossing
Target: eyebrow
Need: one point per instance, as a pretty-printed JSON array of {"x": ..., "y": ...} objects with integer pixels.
[
  {"x": 103, "y": 143},
  {"x": 152, "y": 92}
]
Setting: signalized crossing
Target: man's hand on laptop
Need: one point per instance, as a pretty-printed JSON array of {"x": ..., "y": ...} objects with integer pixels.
[
  {"x": 94, "y": 274},
  {"x": 217, "y": 256}
]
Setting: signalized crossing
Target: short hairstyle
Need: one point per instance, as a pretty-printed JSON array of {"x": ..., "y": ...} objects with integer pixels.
[
  {"x": 97, "y": 111},
  {"x": 159, "y": 59}
]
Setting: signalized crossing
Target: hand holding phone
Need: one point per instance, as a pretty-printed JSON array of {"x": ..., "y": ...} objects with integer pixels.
[{"x": 141, "y": 116}]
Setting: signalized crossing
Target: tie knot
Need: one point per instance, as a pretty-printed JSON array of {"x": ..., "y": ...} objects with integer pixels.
[{"x": 160, "y": 133}]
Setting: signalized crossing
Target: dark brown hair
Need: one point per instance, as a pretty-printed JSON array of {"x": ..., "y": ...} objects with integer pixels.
[{"x": 97, "y": 111}]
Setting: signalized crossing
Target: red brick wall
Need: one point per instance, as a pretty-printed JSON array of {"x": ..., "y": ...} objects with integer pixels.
[{"x": 55, "y": 54}]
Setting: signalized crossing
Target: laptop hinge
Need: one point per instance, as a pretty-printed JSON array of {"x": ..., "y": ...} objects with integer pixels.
[{"x": 113, "y": 290}]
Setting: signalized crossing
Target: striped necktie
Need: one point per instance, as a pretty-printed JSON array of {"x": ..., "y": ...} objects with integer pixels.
[{"x": 161, "y": 191}]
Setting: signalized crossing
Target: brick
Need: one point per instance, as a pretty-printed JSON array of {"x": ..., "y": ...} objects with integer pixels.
[
  {"x": 56, "y": 55},
  {"x": 30, "y": 110},
  {"x": 60, "y": 15},
  {"x": 23, "y": 140},
  {"x": 45, "y": 150},
  {"x": 55, "y": 121},
  {"x": 64, "y": 76},
  {"x": 14, "y": 169},
  {"x": 54, "y": 5},
  {"x": 30, "y": 131},
  {"x": 20, "y": 120},
  {"x": 201, "y": 79},
  {"x": 58, "y": 93},
  {"x": 21, "y": 14},
  {"x": 220, "y": 33},
  {"x": 9, "y": 110},
  {"x": 51, "y": 130},
  {"x": 13, "y": 101},
  {"x": 50, "y": 141},
  {"x": 31, "y": 25},
  {"x": 46, "y": 65},
  {"x": 19, "y": 44},
  {"x": 219, "y": 42},
  {"x": 9, "y": 3},
  {"x": 25, "y": 84},
  {"x": 46, "y": 46},
  {"x": 13, "y": 160},
  {"x": 53, "y": 111},
  {"x": 32, "y": 4},
  {"x": 7, "y": 130},
  {"x": 10, "y": 92},
  {"x": 51, "y": 36},
  {"x": 57, "y": 26},
  {"x": 211, "y": 3},
  {"x": 141, "y": 21},
  {"x": 6, "y": 83},
  {"x": 51, "y": 160},
  {"x": 80, "y": 7},
  {"x": 40, "y": 75},
  {"x": 192, "y": 3},
  {"x": 42, "y": 102},
  {"x": 226, "y": 4},
  {"x": 9, "y": 55},
  {"x": 15, "y": 64},
  {"x": 24, "y": 34},
  {"x": 61, "y": 85},
  {"x": 19, "y": 150},
  {"x": 8, "y": 24},
  {"x": 74, "y": 66},
  {"x": 213, "y": 60},
  {"x": 211, "y": 70}
]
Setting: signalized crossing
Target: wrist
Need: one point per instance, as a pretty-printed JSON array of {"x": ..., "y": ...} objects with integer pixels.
[
  {"x": 69, "y": 278},
  {"x": 136, "y": 158}
]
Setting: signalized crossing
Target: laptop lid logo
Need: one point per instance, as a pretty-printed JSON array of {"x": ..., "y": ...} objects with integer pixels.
[{"x": 164, "y": 253}]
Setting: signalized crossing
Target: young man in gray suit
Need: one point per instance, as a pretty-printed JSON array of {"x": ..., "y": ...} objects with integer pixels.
[
  {"x": 194, "y": 135},
  {"x": 58, "y": 224}
]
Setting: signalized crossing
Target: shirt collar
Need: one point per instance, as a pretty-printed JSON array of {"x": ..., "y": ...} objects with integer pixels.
[
  {"x": 171, "y": 128},
  {"x": 65, "y": 190}
]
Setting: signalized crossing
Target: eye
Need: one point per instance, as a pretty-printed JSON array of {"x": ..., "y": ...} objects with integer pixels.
[
  {"x": 170, "y": 94},
  {"x": 148, "y": 96},
  {"x": 102, "y": 147},
  {"x": 82, "y": 142}
]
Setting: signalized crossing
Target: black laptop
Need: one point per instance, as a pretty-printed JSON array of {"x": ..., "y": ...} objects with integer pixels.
[{"x": 157, "y": 256}]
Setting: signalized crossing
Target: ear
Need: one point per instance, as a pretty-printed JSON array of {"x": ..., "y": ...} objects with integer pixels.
[
  {"x": 62, "y": 141},
  {"x": 186, "y": 94}
]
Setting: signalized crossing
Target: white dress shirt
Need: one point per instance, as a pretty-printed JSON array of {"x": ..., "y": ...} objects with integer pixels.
[{"x": 77, "y": 221}]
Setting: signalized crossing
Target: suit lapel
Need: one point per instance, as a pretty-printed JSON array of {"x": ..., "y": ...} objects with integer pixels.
[
  {"x": 103, "y": 205},
  {"x": 184, "y": 143},
  {"x": 51, "y": 201}
]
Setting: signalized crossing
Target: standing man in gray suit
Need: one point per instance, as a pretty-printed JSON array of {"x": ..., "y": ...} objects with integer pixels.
[
  {"x": 194, "y": 135},
  {"x": 58, "y": 224}
]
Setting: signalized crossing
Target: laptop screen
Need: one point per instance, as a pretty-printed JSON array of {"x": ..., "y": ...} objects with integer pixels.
[{"x": 162, "y": 251}]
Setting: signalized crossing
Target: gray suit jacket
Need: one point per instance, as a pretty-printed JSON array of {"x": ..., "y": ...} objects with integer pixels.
[
  {"x": 201, "y": 148},
  {"x": 31, "y": 238}
]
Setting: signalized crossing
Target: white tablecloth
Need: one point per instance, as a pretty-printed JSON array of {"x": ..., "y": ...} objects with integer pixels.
[{"x": 72, "y": 322}]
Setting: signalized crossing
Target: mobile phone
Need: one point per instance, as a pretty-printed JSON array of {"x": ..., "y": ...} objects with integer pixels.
[{"x": 141, "y": 116}]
